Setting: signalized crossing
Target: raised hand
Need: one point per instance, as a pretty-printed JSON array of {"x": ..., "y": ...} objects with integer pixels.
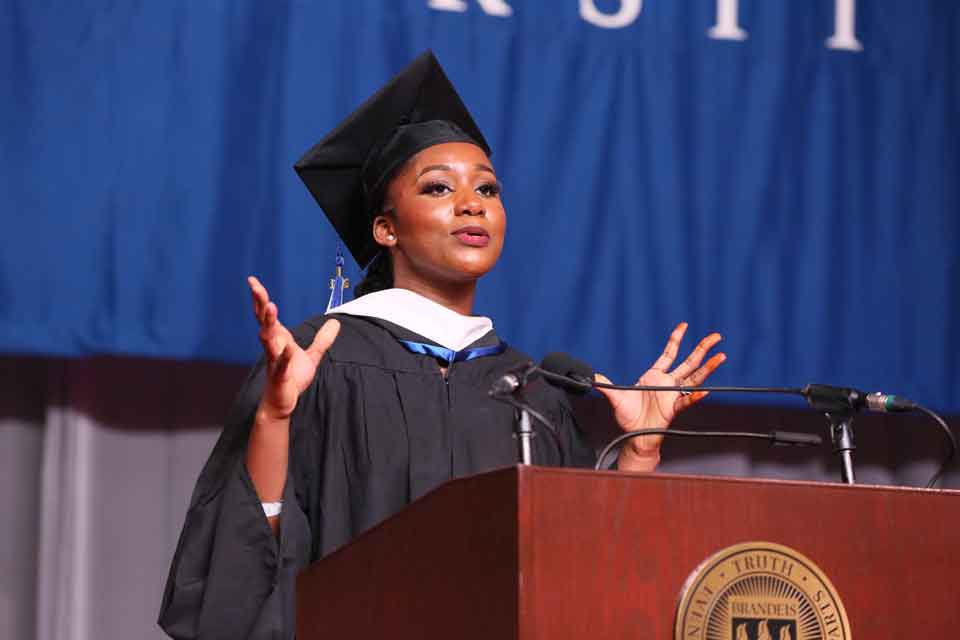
[
  {"x": 290, "y": 369},
  {"x": 635, "y": 410}
]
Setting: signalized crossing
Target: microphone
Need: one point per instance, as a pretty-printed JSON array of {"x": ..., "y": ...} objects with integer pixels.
[
  {"x": 512, "y": 380},
  {"x": 843, "y": 399},
  {"x": 505, "y": 385},
  {"x": 577, "y": 375}
]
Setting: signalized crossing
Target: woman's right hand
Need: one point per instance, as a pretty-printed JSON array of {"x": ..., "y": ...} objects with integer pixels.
[{"x": 290, "y": 368}]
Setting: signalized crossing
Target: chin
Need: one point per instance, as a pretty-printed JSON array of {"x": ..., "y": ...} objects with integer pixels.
[
  {"x": 460, "y": 267},
  {"x": 469, "y": 274},
  {"x": 477, "y": 268}
]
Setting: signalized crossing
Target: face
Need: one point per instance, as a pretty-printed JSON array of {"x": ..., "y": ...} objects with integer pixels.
[{"x": 445, "y": 221}]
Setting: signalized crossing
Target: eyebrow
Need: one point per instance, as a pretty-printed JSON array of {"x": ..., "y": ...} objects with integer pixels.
[{"x": 446, "y": 167}]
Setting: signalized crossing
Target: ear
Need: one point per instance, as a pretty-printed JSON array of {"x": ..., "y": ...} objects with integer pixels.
[{"x": 384, "y": 230}]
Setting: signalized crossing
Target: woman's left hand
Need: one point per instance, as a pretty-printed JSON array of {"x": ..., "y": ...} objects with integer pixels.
[{"x": 636, "y": 410}]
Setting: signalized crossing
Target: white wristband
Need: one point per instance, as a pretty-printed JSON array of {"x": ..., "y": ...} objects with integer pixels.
[{"x": 272, "y": 509}]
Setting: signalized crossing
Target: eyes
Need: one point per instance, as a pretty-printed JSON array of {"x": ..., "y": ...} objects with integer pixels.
[
  {"x": 438, "y": 188},
  {"x": 489, "y": 189}
]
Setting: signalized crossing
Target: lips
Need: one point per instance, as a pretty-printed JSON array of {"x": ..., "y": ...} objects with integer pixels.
[{"x": 472, "y": 236}]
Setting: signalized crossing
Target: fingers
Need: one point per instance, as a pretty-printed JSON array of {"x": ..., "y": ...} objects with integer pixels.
[
  {"x": 261, "y": 299},
  {"x": 685, "y": 402},
  {"x": 673, "y": 347},
  {"x": 275, "y": 342},
  {"x": 322, "y": 341},
  {"x": 697, "y": 378},
  {"x": 269, "y": 318},
  {"x": 282, "y": 361},
  {"x": 273, "y": 335},
  {"x": 696, "y": 356}
]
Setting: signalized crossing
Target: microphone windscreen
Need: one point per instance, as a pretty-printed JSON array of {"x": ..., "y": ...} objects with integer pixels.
[{"x": 566, "y": 365}]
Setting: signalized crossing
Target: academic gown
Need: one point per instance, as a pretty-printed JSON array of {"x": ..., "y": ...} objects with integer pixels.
[{"x": 379, "y": 427}]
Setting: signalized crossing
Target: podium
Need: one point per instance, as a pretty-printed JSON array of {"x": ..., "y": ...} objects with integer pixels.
[{"x": 542, "y": 553}]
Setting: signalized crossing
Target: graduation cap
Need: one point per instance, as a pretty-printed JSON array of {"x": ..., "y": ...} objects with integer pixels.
[{"x": 349, "y": 170}]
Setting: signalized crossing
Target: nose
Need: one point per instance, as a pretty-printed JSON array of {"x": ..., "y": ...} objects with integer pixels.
[{"x": 470, "y": 205}]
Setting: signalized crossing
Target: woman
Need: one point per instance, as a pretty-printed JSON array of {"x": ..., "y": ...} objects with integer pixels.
[{"x": 349, "y": 418}]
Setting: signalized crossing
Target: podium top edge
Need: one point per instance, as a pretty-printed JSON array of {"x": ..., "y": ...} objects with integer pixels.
[{"x": 532, "y": 471}]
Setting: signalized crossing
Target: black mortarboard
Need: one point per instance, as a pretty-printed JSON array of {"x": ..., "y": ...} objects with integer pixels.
[{"x": 348, "y": 171}]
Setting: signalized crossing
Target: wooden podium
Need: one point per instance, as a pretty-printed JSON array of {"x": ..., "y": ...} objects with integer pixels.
[{"x": 543, "y": 553}]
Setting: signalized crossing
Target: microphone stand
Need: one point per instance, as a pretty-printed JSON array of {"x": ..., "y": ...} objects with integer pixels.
[
  {"x": 509, "y": 389},
  {"x": 524, "y": 435},
  {"x": 839, "y": 404},
  {"x": 841, "y": 434}
]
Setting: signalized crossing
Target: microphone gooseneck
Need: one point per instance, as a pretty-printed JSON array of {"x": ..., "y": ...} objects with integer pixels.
[{"x": 571, "y": 373}]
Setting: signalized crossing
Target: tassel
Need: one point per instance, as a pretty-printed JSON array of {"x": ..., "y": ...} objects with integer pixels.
[{"x": 337, "y": 283}]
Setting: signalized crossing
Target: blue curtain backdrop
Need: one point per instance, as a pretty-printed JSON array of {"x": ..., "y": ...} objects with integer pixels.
[{"x": 800, "y": 199}]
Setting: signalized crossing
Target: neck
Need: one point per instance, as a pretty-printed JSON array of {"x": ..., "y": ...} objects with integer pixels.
[{"x": 454, "y": 296}]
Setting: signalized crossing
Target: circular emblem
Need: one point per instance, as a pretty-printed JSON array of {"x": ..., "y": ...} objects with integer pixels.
[{"x": 760, "y": 591}]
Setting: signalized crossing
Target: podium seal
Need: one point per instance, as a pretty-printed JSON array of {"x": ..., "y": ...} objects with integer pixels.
[{"x": 760, "y": 591}]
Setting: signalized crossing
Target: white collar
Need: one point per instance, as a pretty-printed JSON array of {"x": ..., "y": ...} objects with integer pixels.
[{"x": 420, "y": 315}]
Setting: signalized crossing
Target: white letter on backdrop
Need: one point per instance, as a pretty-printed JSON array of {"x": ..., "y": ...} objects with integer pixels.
[
  {"x": 447, "y": 5},
  {"x": 844, "y": 21},
  {"x": 629, "y": 10},
  {"x": 490, "y": 7},
  {"x": 727, "y": 27}
]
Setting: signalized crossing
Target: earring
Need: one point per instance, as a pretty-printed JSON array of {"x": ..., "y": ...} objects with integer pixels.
[{"x": 391, "y": 237}]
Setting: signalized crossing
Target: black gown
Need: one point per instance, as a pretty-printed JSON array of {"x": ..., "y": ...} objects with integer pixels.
[{"x": 378, "y": 428}]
